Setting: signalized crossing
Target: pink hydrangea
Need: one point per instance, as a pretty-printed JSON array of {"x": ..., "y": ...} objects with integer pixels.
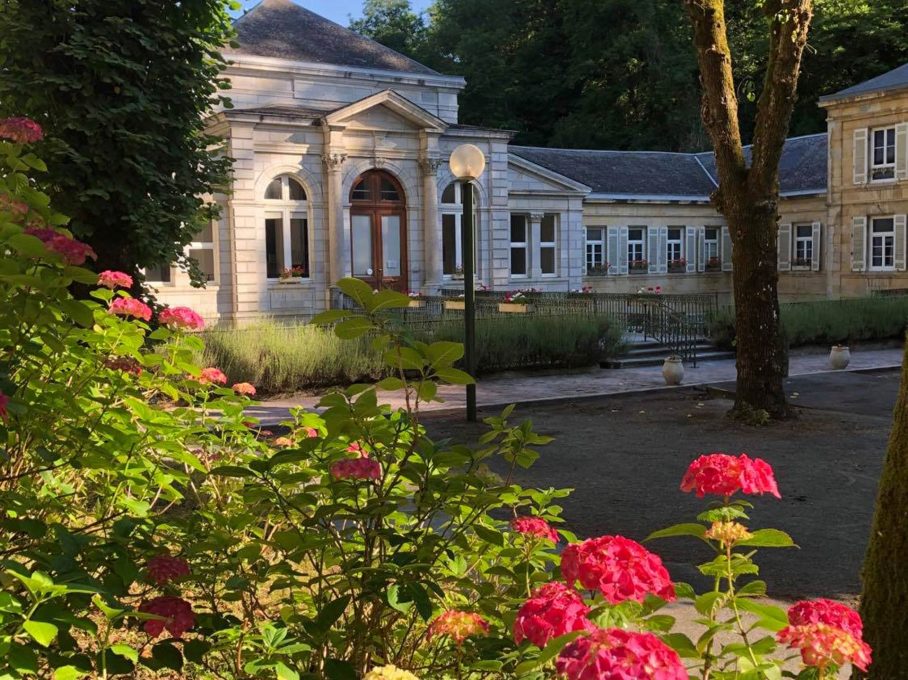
[
  {"x": 163, "y": 568},
  {"x": 310, "y": 432},
  {"x": 113, "y": 279},
  {"x": 181, "y": 317},
  {"x": 619, "y": 568},
  {"x": 244, "y": 389},
  {"x": 17, "y": 208},
  {"x": 616, "y": 654},
  {"x": 20, "y": 130},
  {"x": 821, "y": 644},
  {"x": 826, "y": 611},
  {"x": 357, "y": 448},
  {"x": 177, "y": 613},
  {"x": 534, "y": 526},
  {"x": 458, "y": 625},
  {"x": 130, "y": 307},
  {"x": 4, "y": 402},
  {"x": 212, "y": 376},
  {"x": 723, "y": 475},
  {"x": 552, "y": 610},
  {"x": 73, "y": 252},
  {"x": 356, "y": 468}
]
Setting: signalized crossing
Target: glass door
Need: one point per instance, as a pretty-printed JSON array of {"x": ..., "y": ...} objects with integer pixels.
[{"x": 378, "y": 235}]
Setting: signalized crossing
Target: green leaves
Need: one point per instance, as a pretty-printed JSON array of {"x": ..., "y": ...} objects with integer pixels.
[
  {"x": 695, "y": 530},
  {"x": 43, "y": 633},
  {"x": 769, "y": 538}
]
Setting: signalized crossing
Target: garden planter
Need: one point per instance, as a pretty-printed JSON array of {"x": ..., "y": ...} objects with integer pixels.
[
  {"x": 417, "y": 304},
  {"x": 457, "y": 305},
  {"x": 291, "y": 280},
  {"x": 514, "y": 308},
  {"x": 839, "y": 357},
  {"x": 673, "y": 370}
]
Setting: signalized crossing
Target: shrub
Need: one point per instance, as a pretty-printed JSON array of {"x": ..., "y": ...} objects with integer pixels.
[{"x": 828, "y": 321}]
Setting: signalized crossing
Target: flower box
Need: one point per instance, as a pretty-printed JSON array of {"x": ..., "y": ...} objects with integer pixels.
[
  {"x": 638, "y": 267},
  {"x": 290, "y": 280},
  {"x": 456, "y": 305},
  {"x": 714, "y": 264},
  {"x": 677, "y": 266},
  {"x": 417, "y": 304},
  {"x": 800, "y": 263},
  {"x": 514, "y": 307}
]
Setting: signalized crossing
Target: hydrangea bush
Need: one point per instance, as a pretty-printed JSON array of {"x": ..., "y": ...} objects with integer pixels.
[{"x": 150, "y": 526}]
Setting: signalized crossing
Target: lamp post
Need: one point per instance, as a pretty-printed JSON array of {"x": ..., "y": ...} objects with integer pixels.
[{"x": 467, "y": 164}]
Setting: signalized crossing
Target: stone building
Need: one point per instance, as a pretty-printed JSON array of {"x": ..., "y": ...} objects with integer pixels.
[{"x": 341, "y": 148}]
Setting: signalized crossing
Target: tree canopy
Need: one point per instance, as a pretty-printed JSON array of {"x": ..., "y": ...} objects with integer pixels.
[{"x": 622, "y": 74}]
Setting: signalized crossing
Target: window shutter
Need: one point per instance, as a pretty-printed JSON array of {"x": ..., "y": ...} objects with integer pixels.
[
  {"x": 611, "y": 254},
  {"x": 663, "y": 250},
  {"x": 784, "y": 247},
  {"x": 690, "y": 249},
  {"x": 901, "y": 151},
  {"x": 817, "y": 246},
  {"x": 860, "y": 156},
  {"x": 652, "y": 249},
  {"x": 858, "y": 239},
  {"x": 899, "y": 258},
  {"x": 726, "y": 250},
  {"x": 622, "y": 250},
  {"x": 701, "y": 249}
]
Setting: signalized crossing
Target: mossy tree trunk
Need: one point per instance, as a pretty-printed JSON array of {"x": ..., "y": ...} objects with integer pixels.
[
  {"x": 884, "y": 601},
  {"x": 748, "y": 191}
]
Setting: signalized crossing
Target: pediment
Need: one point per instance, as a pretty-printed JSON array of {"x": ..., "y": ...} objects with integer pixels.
[
  {"x": 527, "y": 177},
  {"x": 386, "y": 110}
]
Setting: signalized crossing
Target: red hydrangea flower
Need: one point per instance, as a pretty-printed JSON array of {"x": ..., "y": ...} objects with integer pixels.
[
  {"x": 821, "y": 644},
  {"x": 458, "y": 625},
  {"x": 181, "y": 317},
  {"x": 17, "y": 208},
  {"x": 130, "y": 307},
  {"x": 356, "y": 447},
  {"x": 125, "y": 364},
  {"x": 619, "y": 568},
  {"x": 534, "y": 526},
  {"x": 245, "y": 389},
  {"x": 826, "y": 611},
  {"x": 311, "y": 432},
  {"x": 177, "y": 613},
  {"x": 20, "y": 130},
  {"x": 615, "y": 654},
  {"x": 723, "y": 475},
  {"x": 164, "y": 568},
  {"x": 4, "y": 402},
  {"x": 74, "y": 252},
  {"x": 213, "y": 376},
  {"x": 112, "y": 279},
  {"x": 552, "y": 610},
  {"x": 356, "y": 468}
]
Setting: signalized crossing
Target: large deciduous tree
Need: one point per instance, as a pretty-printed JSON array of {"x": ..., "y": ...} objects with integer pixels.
[
  {"x": 748, "y": 192},
  {"x": 394, "y": 24},
  {"x": 122, "y": 88}
]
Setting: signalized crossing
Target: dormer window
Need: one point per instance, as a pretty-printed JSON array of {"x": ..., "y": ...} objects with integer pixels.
[{"x": 882, "y": 155}]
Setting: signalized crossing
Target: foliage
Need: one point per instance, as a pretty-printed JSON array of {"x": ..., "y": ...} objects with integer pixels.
[
  {"x": 122, "y": 87},
  {"x": 392, "y": 23},
  {"x": 827, "y": 322}
]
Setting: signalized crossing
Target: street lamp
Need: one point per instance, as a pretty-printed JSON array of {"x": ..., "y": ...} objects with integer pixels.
[{"x": 467, "y": 164}]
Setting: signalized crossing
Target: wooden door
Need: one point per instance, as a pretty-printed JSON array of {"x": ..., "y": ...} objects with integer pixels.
[{"x": 378, "y": 231}]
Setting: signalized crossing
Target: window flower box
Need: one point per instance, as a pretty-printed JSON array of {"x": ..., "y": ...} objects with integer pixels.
[
  {"x": 416, "y": 301},
  {"x": 714, "y": 264},
  {"x": 677, "y": 266},
  {"x": 514, "y": 307},
  {"x": 598, "y": 270},
  {"x": 455, "y": 305},
  {"x": 638, "y": 266},
  {"x": 801, "y": 263},
  {"x": 292, "y": 275}
]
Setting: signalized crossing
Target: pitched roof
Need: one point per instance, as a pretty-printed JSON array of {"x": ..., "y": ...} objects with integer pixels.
[
  {"x": 626, "y": 173},
  {"x": 895, "y": 79},
  {"x": 285, "y": 30}
]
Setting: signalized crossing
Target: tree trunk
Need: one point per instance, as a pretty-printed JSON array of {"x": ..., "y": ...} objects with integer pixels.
[{"x": 884, "y": 601}]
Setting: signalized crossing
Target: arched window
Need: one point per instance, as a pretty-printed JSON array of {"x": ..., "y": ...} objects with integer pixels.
[
  {"x": 452, "y": 230},
  {"x": 378, "y": 231},
  {"x": 286, "y": 229}
]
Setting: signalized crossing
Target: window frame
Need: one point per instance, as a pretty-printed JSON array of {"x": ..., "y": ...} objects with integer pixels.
[
  {"x": 797, "y": 263},
  {"x": 455, "y": 209},
  {"x": 519, "y": 245},
  {"x": 680, "y": 241},
  {"x": 716, "y": 244},
  {"x": 286, "y": 210},
  {"x": 873, "y": 167},
  {"x": 602, "y": 242},
  {"x": 871, "y": 235},
  {"x": 642, "y": 242},
  {"x": 549, "y": 245}
]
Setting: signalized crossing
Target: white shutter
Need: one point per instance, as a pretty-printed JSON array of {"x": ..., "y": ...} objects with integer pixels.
[
  {"x": 858, "y": 240},
  {"x": 899, "y": 258},
  {"x": 622, "y": 250},
  {"x": 817, "y": 245},
  {"x": 611, "y": 255},
  {"x": 652, "y": 248},
  {"x": 701, "y": 249},
  {"x": 663, "y": 250},
  {"x": 901, "y": 151},
  {"x": 784, "y": 247},
  {"x": 690, "y": 249},
  {"x": 726, "y": 250},
  {"x": 860, "y": 156}
]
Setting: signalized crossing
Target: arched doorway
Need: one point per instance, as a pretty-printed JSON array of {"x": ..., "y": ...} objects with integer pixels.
[{"x": 378, "y": 231}]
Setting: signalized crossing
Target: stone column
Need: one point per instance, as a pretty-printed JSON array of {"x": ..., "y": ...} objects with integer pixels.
[
  {"x": 432, "y": 243},
  {"x": 334, "y": 208},
  {"x": 535, "y": 269}
]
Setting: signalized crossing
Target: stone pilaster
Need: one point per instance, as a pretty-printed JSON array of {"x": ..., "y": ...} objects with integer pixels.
[
  {"x": 431, "y": 224},
  {"x": 337, "y": 269}
]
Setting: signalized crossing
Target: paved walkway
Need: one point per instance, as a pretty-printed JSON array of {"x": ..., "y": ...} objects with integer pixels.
[{"x": 524, "y": 388}]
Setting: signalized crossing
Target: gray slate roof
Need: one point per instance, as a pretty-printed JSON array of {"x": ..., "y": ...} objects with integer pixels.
[
  {"x": 285, "y": 30},
  {"x": 676, "y": 176},
  {"x": 895, "y": 79}
]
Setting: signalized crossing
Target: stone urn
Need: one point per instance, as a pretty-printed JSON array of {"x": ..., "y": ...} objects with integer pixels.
[
  {"x": 673, "y": 370},
  {"x": 839, "y": 357}
]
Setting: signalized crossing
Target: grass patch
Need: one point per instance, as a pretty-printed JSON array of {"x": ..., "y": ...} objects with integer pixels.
[{"x": 828, "y": 322}]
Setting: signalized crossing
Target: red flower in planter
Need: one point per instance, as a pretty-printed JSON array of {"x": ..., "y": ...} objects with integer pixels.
[
  {"x": 615, "y": 654},
  {"x": 619, "y": 568},
  {"x": 723, "y": 475},
  {"x": 553, "y": 610}
]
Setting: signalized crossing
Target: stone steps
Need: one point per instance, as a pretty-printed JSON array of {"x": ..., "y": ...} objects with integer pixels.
[{"x": 652, "y": 353}]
